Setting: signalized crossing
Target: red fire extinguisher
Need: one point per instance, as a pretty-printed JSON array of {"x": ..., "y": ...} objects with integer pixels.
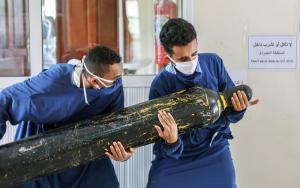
[{"x": 164, "y": 10}]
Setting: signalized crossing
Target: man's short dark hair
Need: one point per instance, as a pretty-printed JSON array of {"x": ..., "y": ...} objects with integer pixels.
[
  {"x": 99, "y": 58},
  {"x": 176, "y": 32}
]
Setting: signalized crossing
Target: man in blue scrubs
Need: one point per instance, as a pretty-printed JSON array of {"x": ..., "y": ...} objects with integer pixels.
[
  {"x": 201, "y": 158},
  {"x": 63, "y": 94}
]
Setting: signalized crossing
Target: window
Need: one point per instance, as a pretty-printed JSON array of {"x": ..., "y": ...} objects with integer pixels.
[
  {"x": 14, "y": 34},
  {"x": 3, "y": 23},
  {"x": 72, "y": 27}
]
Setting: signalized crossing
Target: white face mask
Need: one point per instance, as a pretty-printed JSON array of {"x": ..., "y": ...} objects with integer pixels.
[
  {"x": 186, "y": 67},
  {"x": 101, "y": 80},
  {"x": 111, "y": 82}
]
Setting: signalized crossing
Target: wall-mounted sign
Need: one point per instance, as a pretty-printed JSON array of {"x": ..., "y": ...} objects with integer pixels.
[{"x": 272, "y": 52}]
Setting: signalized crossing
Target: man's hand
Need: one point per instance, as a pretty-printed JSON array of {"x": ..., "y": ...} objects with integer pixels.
[
  {"x": 170, "y": 132},
  {"x": 240, "y": 101},
  {"x": 118, "y": 153}
]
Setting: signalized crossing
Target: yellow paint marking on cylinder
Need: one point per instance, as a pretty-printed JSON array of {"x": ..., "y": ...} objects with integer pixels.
[
  {"x": 179, "y": 92},
  {"x": 182, "y": 126},
  {"x": 206, "y": 101},
  {"x": 219, "y": 104},
  {"x": 223, "y": 101}
]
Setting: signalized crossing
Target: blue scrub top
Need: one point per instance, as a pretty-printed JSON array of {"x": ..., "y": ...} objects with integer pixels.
[
  {"x": 50, "y": 100},
  {"x": 202, "y": 156}
]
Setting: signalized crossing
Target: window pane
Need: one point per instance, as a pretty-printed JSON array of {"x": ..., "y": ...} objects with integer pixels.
[
  {"x": 14, "y": 30},
  {"x": 72, "y": 27},
  {"x": 49, "y": 32},
  {"x": 143, "y": 53},
  {"x": 3, "y": 24},
  {"x": 19, "y": 23}
]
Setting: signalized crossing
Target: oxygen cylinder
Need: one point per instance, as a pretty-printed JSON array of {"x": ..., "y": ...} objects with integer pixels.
[{"x": 78, "y": 143}]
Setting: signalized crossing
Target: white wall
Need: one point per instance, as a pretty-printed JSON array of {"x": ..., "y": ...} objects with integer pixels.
[{"x": 266, "y": 148}]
